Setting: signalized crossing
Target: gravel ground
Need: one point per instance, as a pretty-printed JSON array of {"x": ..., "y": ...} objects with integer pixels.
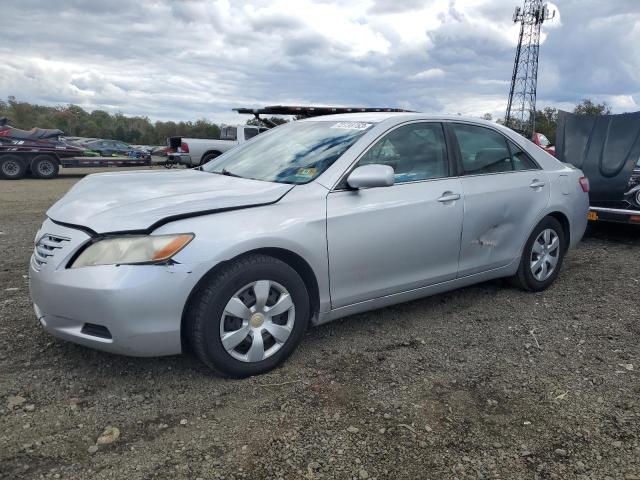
[{"x": 484, "y": 382}]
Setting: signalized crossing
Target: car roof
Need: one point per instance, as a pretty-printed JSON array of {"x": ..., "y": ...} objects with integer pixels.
[{"x": 377, "y": 117}]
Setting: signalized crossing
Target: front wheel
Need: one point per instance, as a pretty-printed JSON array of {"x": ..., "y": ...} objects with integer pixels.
[
  {"x": 542, "y": 256},
  {"x": 249, "y": 317}
]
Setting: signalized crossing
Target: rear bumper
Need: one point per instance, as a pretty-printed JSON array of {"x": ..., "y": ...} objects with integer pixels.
[
  {"x": 617, "y": 215},
  {"x": 181, "y": 158}
]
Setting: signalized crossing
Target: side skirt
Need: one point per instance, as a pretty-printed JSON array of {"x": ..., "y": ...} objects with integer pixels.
[{"x": 381, "y": 302}]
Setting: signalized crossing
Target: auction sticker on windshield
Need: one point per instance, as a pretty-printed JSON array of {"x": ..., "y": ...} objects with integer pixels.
[
  {"x": 306, "y": 172},
  {"x": 352, "y": 125}
]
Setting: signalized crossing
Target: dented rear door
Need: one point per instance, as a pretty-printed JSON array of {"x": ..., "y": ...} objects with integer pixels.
[
  {"x": 504, "y": 192},
  {"x": 499, "y": 212}
]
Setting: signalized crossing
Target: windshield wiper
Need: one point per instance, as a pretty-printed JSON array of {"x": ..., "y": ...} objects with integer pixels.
[{"x": 226, "y": 172}]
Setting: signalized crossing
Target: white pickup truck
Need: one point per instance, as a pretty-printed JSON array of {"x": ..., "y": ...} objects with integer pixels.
[{"x": 194, "y": 152}]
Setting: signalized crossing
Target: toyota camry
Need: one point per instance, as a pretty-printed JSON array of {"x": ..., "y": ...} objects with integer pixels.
[{"x": 311, "y": 221}]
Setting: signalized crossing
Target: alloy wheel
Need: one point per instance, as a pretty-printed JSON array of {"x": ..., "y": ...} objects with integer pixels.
[
  {"x": 257, "y": 321},
  {"x": 545, "y": 253}
]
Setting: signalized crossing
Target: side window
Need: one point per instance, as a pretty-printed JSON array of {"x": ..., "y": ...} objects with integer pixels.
[
  {"x": 521, "y": 161},
  {"x": 416, "y": 152},
  {"x": 229, "y": 133},
  {"x": 483, "y": 150},
  {"x": 250, "y": 133}
]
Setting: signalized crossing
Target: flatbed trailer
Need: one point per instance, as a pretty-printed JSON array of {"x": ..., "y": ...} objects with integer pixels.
[
  {"x": 93, "y": 162},
  {"x": 41, "y": 152},
  {"x": 17, "y": 161}
]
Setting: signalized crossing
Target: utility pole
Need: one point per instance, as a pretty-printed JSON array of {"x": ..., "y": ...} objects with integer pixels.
[{"x": 521, "y": 109}]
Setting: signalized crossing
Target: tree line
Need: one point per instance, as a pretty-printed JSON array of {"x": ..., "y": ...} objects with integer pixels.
[
  {"x": 74, "y": 121},
  {"x": 547, "y": 118}
]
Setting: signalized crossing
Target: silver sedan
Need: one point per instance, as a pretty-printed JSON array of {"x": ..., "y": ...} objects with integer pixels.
[{"x": 309, "y": 222}]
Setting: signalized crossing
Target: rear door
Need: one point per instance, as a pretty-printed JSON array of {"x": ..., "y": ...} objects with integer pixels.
[
  {"x": 504, "y": 193},
  {"x": 388, "y": 240}
]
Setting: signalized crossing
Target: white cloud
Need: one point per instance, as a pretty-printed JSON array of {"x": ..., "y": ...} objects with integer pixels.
[
  {"x": 200, "y": 58},
  {"x": 428, "y": 74}
]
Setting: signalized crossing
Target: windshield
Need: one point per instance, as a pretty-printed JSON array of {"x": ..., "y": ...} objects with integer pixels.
[{"x": 296, "y": 152}]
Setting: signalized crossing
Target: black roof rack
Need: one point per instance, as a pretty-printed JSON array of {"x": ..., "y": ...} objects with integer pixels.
[
  {"x": 312, "y": 111},
  {"x": 309, "y": 111}
]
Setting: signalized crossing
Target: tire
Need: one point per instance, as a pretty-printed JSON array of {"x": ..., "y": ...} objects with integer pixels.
[
  {"x": 208, "y": 318},
  {"x": 12, "y": 167},
  {"x": 45, "y": 167},
  {"x": 530, "y": 275},
  {"x": 208, "y": 157}
]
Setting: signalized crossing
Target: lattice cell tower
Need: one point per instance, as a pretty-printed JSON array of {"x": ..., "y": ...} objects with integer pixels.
[{"x": 522, "y": 97}]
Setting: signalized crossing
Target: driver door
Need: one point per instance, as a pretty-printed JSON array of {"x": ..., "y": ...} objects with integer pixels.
[{"x": 388, "y": 240}]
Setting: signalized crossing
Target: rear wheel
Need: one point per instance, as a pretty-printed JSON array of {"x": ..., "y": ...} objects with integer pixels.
[
  {"x": 12, "y": 167},
  {"x": 542, "y": 257},
  {"x": 249, "y": 317},
  {"x": 208, "y": 157},
  {"x": 45, "y": 166}
]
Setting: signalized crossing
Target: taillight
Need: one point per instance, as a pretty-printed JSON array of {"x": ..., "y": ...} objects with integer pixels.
[
  {"x": 584, "y": 183},
  {"x": 184, "y": 147}
]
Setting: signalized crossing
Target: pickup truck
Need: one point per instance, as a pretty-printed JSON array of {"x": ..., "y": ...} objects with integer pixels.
[{"x": 194, "y": 152}]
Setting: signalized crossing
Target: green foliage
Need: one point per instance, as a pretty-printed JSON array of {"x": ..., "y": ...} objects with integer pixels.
[
  {"x": 77, "y": 122},
  {"x": 546, "y": 121},
  {"x": 277, "y": 120},
  {"x": 587, "y": 107},
  {"x": 547, "y": 118}
]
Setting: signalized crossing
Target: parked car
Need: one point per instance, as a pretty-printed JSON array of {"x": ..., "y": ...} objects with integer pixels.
[
  {"x": 312, "y": 221},
  {"x": 193, "y": 152},
  {"x": 543, "y": 142},
  {"x": 114, "y": 148}
]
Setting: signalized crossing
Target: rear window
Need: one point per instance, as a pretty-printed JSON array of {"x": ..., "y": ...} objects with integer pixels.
[{"x": 229, "y": 133}]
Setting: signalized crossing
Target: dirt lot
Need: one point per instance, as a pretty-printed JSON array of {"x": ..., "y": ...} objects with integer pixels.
[{"x": 486, "y": 382}]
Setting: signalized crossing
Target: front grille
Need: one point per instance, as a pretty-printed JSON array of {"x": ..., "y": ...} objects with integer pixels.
[{"x": 46, "y": 248}]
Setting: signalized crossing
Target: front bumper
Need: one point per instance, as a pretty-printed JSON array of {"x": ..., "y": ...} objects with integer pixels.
[{"x": 139, "y": 306}]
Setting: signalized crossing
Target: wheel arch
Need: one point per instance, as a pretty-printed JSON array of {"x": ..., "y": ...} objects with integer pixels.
[
  {"x": 208, "y": 152},
  {"x": 566, "y": 226},
  {"x": 295, "y": 261},
  {"x": 564, "y": 223}
]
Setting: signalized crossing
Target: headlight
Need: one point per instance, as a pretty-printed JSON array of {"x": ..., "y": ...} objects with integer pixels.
[{"x": 132, "y": 250}]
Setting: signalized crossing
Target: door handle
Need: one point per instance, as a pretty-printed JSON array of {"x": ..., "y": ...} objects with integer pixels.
[
  {"x": 449, "y": 197},
  {"x": 537, "y": 184}
]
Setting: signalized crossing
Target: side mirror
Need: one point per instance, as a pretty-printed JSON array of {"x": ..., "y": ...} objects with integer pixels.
[{"x": 373, "y": 175}]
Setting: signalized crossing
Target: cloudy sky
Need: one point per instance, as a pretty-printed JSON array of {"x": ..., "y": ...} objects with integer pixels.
[{"x": 192, "y": 59}]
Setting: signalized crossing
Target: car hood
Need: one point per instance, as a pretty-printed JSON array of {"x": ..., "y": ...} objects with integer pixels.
[{"x": 125, "y": 201}]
